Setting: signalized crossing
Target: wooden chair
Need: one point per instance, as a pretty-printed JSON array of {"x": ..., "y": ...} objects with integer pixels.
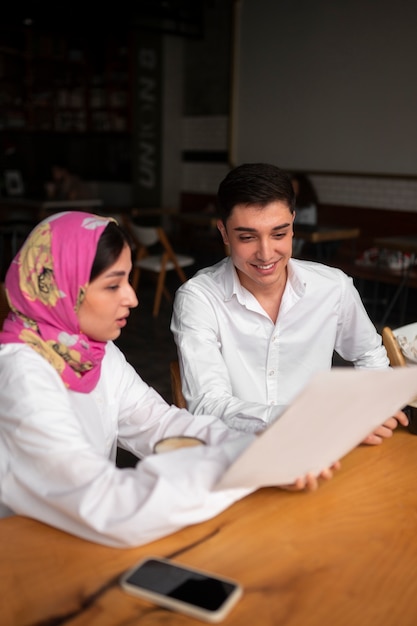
[
  {"x": 395, "y": 355},
  {"x": 146, "y": 239},
  {"x": 393, "y": 346},
  {"x": 397, "y": 359},
  {"x": 177, "y": 397}
]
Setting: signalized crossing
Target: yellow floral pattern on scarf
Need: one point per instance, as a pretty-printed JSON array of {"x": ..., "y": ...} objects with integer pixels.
[
  {"x": 44, "y": 348},
  {"x": 36, "y": 271},
  {"x": 57, "y": 354}
]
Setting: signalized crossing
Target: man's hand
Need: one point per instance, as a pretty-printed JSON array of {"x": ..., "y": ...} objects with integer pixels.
[
  {"x": 311, "y": 482},
  {"x": 386, "y": 430}
]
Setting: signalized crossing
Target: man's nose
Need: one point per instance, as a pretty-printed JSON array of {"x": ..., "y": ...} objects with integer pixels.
[{"x": 265, "y": 249}]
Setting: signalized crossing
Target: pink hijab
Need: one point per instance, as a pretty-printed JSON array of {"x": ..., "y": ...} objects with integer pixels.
[{"x": 45, "y": 285}]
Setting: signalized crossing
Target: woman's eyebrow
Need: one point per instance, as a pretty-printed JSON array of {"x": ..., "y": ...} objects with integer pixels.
[{"x": 115, "y": 273}]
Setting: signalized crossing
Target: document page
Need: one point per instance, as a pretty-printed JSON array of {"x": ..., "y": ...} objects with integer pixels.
[{"x": 332, "y": 415}]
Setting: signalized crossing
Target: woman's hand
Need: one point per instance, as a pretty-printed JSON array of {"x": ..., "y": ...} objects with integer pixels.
[
  {"x": 386, "y": 429},
  {"x": 311, "y": 482}
]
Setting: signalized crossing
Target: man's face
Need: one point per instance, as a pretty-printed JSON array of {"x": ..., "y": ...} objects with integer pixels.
[{"x": 260, "y": 243}]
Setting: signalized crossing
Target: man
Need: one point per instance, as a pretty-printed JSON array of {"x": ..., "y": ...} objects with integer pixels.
[{"x": 253, "y": 329}]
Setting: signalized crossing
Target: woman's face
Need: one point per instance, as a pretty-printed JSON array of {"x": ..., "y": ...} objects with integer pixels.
[{"x": 108, "y": 300}]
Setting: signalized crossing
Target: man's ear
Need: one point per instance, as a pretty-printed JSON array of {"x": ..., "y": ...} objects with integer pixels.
[{"x": 223, "y": 232}]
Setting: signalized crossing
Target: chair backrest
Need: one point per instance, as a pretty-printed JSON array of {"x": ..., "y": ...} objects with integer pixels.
[
  {"x": 158, "y": 261},
  {"x": 397, "y": 359},
  {"x": 144, "y": 235},
  {"x": 176, "y": 390},
  {"x": 395, "y": 355}
]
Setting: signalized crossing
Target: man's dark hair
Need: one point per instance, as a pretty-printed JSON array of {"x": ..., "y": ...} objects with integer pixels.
[{"x": 254, "y": 183}]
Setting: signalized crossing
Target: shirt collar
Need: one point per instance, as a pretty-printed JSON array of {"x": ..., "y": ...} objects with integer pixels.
[
  {"x": 233, "y": 286},
  {"x": 232, "y": 283},
  {"x": 296, "y": 277}
]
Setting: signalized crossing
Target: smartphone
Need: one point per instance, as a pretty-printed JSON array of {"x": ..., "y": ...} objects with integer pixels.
[{"x": 181, "y": 588}]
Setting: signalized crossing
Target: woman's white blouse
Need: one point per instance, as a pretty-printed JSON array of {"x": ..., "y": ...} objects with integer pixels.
[{"x": 58, "y": 449}]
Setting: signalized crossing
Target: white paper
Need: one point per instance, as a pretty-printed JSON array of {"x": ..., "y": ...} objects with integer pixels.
[{"x": 331, "y": 416}]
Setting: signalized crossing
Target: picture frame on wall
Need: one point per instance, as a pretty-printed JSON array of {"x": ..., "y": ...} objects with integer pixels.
[{"x": 13, "y": 183}]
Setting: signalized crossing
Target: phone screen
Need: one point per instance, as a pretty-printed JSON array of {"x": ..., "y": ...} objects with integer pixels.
[{"x": 162, "y": 578}]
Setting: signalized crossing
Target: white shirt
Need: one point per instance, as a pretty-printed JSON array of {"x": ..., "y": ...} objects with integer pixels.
[
  {"x": 58, "y": 447},
  {"x": 237, "y": 364}
]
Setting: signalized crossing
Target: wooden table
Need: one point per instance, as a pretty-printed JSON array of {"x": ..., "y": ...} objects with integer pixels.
[
  {"x": 345, "y": 555},
  {"x": 323, "y": 234},
  {"x": 408, "y": 245}
]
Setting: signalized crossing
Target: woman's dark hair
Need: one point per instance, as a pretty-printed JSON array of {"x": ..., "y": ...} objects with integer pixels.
[
  {"x": 110, "y": 245},
  {"x": 254, "y": 183}
]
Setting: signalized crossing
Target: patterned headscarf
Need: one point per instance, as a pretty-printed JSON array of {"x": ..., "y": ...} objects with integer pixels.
[{"x": 45, "y": 285}]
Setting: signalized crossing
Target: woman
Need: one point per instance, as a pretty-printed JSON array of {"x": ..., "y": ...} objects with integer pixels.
[{"x": 68, "y": 398}]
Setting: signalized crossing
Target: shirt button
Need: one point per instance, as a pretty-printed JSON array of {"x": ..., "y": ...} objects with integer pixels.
[
  {"x": 271, "y": 372},
  {"x": 272, "y": 403}
]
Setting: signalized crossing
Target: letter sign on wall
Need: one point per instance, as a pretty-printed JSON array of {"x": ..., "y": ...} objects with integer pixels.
[{"x": 147, "y": 120}]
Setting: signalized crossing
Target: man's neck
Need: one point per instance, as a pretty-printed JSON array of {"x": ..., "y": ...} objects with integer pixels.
[{"x": 268, "y": 296}]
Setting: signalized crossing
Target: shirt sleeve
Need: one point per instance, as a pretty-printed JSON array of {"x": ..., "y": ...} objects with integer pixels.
[
  {"x": 52, "y": 472},
  {"x": 145, "y": 417},
  {"x": 205, "y": 379},
  {"x": 357, "y": 339}
]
